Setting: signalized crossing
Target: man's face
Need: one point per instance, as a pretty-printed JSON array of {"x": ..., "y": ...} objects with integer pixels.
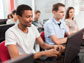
[
  {"x": 37, "y": 16},
  {"x": 60, "y": 13},
  {"x": 26, "y": 19}
]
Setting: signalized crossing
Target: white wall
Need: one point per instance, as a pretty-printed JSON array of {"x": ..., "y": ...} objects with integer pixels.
[
  {"x": 3, "y": 9},
  {"x": 19, "y": 2},
  {"x": 73, "y": 3},
  {"x": 45, "y": 6},
  {"x": 4, "y": 6},
  {"x": 80, "y": 19},
  {"x": 80, "y": 16}
]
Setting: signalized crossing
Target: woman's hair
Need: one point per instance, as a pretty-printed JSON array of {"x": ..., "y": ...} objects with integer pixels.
[
  {"x": 9, "y": 15},
  {"x": 67, "y": 13}
]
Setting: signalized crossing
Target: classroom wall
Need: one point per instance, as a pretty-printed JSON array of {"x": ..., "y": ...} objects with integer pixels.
[
  {"x": 45, "y": 6},
  {"x": 18, "y": 2}
]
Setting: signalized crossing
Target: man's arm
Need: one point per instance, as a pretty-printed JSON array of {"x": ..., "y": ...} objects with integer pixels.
[
  {"x": 48, "y": 53},
  {"x": 58, "y": 41},
  {"x": 47, "y": 46},
  {"x": 13, "y": 51},
  {"x": 43, "y": 44}
]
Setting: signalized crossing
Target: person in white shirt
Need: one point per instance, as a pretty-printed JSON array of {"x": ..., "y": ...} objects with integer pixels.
[
  {"x": 14, "y": 19},
  {"x": 21, "y": 37},
  {"x": 9, "y": 16}
]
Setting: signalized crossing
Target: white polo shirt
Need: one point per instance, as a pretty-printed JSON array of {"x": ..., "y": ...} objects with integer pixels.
[{"x": 23, "y": 41}]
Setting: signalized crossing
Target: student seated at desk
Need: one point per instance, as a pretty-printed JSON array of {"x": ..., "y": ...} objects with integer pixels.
[
  {"x": 55, "y": 28},
  {"x": 37, "y": 22},
  {"x": 70, "y": 22},
  {"x": 21, "y": 37},
  {"x": 14, "y": 19}
]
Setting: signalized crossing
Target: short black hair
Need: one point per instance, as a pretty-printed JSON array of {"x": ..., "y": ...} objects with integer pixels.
[
  {"x": 14, "y": 11},
  {"x": 21, "y": 8},
  {"x": 56, "y": 6}
]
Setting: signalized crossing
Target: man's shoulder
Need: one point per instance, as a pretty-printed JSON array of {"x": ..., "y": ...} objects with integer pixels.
[
  {"x": 11, "y": 28},
  {"x": 63, "y": 22},
  {"x": 49, "y": 22},
  {"x": 33, "y": 26}
]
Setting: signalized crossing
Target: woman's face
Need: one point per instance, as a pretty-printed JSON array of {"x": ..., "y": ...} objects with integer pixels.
[{"x": 71, "y": 13}]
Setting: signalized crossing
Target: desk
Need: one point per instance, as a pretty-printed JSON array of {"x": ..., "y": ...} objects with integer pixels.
[
  {"x": 49, "y": 60},
  {"x": 54, "y": 60}
]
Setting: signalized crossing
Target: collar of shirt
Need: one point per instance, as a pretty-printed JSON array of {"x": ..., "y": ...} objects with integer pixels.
[{"x": 53, "y": 19}]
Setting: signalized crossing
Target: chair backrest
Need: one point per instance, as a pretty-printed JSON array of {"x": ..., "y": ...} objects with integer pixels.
[
  {"x": 3, "y": 21},
  {"x": 3, "y": 29},
  {"x": 4, "y": 55},
  {"x": 42, "y": 35}
]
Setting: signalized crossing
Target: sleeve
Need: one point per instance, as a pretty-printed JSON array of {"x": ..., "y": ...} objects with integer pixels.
[
  {"x": 49, "y": 30},
  {"x": 10, "y": 38},
  {"x": 36, "y": 31},
  {"x": 67, "y": 23}
]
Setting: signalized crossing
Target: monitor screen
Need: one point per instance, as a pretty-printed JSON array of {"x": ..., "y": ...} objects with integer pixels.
[{"x": 73, "y": 46}]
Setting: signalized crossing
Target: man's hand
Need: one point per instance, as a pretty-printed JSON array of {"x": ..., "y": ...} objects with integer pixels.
[
  {"x": 60, "y": 48},
  {"x": 52, "y": 53}
]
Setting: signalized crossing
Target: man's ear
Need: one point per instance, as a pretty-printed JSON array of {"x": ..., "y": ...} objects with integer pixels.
[
  {"x": 54, "y": 12},
  {"x": 19, "y": 17}
]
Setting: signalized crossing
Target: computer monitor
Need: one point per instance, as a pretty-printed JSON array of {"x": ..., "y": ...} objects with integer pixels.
[
  {"x": 73, "y": 46},
  {"x": 23, "y": 59},
  {"x": 71, "y": 53}
]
